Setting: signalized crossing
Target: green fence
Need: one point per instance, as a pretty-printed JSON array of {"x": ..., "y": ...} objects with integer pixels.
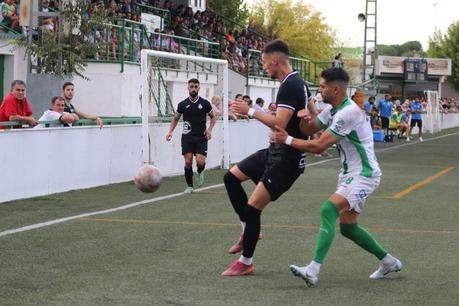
[
  {"x": 122, "y": 40},
  {"x": 309, "y": 70}
]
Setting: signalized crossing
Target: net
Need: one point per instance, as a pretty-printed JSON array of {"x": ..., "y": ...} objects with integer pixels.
[
  {"x": 165, "y": 78},
  {"x": 433, "y": 115}
]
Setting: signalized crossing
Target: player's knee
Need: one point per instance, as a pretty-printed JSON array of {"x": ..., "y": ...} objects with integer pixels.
[
  {"x": 230, "y": 179},
  {"x": 327, "y": 209},
  {"x": 347, "y": 230}
]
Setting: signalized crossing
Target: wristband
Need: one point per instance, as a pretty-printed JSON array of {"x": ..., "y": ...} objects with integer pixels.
[
  {"x": 288, "y": 140},
  {"x": 251, "y": 112}
]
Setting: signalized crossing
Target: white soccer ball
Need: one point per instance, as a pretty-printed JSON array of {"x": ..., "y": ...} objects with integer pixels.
[{"x": 148, "y": 178}]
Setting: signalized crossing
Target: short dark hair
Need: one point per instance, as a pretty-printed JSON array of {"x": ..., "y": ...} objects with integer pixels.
[
  {"x": 237, "y": 96},
  {"x": 17, "y": 82},
  {"x": 246, "y": 97},
  {"x": 277, "y": 46},
  {"x": 335, "y": 74},
  {"x": 194, "y": 81},
  {"x": 54, "y": 99},
  {"x": 259, "y": 101},
  {"x": 67, "y": 84}
]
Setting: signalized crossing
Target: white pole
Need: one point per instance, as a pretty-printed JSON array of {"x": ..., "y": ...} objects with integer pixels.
[
  {"x": 144, "y": 104},
  {"x": 226, "y": 138}
]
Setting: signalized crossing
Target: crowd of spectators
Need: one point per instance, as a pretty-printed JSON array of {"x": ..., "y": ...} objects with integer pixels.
[
  {"x": 205, "y": 26},
  {"x": 449, "y": 105},
  {"x": 9, "y": 19}
]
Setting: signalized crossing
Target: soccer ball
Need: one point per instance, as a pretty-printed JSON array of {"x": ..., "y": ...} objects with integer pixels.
[{"x": 148, "y": 178}]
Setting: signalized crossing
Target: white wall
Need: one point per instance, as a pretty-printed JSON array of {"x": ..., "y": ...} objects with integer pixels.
[{"x": 44, "y": 161}]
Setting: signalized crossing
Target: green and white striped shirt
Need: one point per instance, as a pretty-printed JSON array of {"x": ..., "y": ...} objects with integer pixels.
[{"x": 356, "y": 147}]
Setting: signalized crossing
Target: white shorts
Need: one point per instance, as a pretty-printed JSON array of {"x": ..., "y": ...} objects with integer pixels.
[{"x": 356, "y": 189}]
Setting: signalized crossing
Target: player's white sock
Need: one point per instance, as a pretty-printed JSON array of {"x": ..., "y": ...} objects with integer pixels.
[
  {"x": 243, "y": 226},
  {"x": 314, "y": 268},
  {"x": 388, "y": 259},
  {"x": 246, "y": 260}
]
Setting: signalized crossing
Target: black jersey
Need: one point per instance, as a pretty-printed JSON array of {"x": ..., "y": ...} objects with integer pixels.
[
  {"x": 293, "y": 94},
  {"x": 194, "y": 116}
]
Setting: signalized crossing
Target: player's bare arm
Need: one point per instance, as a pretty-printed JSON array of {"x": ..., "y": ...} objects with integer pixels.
[
  {"x": 316, "y": 146},
  {"x": 208, "y": 131},
  {"x": 281, "y": 119},
  {"x": 174, "y": 122}
]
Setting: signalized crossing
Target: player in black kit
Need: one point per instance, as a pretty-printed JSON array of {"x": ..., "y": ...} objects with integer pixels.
[
  {"x": 195, "y": 132},
  {"x": 274, "y": 169}
]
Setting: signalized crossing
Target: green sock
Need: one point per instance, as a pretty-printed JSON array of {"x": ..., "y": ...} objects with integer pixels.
[
  {"x": 364, "y": 239},
  {"x": 328, "y": 215}
]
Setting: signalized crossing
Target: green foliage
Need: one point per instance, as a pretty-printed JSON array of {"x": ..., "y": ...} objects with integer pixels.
[
  {"x": 409, "y": 49},
  {"x": 447, "y": 46},
  {"x": 234, "y": 10},
  {"x": 64, "y": 53},
  {"x": 297, "y": 23}
]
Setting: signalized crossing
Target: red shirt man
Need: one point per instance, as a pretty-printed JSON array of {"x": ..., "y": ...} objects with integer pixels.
[{"x": 15, "y": 106}]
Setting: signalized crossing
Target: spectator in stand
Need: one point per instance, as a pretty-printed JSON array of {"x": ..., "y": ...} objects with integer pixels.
[
  {"x": 259, "y": 103},
  {"x": 216, "y": 102},
  {"x": 126, "y": 7},
  {"x": 15, "y": 106},
  {"x": 416, "y": 118},
  {"x": 10, "y": 16},
  {"x": 56, "y": 113},
  {"x": 68, "y": 89},
  {"x": 272, "y": 107},
  {"x": 46, "y": 6},
  {"x": 247, "y": 100},
  {"x": 385, "y": 109}
]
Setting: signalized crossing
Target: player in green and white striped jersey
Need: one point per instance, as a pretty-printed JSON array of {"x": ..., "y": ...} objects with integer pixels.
[{"x": 345, "y": 125}]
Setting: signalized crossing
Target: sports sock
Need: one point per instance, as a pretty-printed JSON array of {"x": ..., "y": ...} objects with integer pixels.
[
  {"x": 242, "y": 226},
  {"x": 252, "y": 230},
  {"x": 201, "y": 168},
  {"x": 314, "y": 268},
  {"x": 364, "y": 239},
  {"x": 236, "y": 194},
  {"x": 328, "y": 215},
  {"x": 189, "y": 176},
  {"x": 388, "y": 259},
  {"x": 245, "y": 260}
]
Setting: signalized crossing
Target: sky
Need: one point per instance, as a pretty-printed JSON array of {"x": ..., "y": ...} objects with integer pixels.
[{"x": 398, "y": 21}]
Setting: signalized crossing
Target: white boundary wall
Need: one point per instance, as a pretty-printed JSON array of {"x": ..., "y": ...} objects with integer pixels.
[{"x": 44, "y": 161}]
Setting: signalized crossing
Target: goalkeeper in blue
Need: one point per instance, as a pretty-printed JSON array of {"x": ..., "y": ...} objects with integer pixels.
[{"x": 345, "y": 125}]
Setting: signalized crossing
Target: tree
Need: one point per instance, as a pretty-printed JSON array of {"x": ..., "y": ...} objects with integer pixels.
[
  {"x": 447, "y": 46},
  {"x": 298, "y": 24},
  {"x": 234, "y": 10},
  {"x": 408, "y": 49},
  {"x": 64, "y": 52}
]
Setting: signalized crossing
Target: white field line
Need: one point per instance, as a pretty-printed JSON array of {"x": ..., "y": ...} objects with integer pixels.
[{"x": 135, "y": 204}]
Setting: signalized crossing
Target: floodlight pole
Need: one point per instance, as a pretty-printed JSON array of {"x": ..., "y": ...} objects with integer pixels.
[{"x": 370, "y": 41}]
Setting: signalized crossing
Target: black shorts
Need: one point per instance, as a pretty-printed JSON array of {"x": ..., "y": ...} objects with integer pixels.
[
  {"x": 415, "y": 122},
  {"x": 278, "y": 170},
  {"x": 194, "y": 145},
  {"x": 384, "y": 122}
]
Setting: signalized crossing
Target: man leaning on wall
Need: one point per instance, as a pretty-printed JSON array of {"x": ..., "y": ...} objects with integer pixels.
[
  {"x": 15, "y": 106},
  {"x": 68, "y": 93}
]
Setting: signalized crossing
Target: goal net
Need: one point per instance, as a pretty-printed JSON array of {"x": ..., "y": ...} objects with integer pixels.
[
  {"x": 433, "y": 116},
  {"x": 164, "y": 84}
]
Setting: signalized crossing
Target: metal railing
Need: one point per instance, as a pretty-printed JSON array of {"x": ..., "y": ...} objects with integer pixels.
[
  {"x": 309, "y": 70},
  {"x": 122, "y": 40}
]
